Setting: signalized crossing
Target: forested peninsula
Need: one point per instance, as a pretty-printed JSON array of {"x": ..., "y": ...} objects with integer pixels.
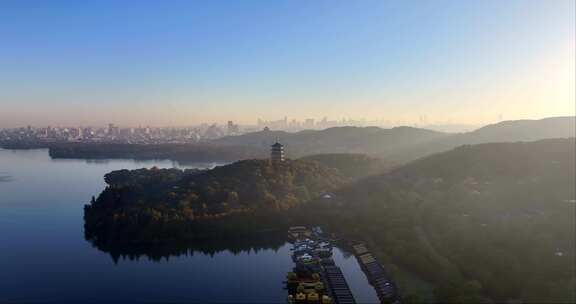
[
  {"x": 483, "y": 223},
  {"x": 155, "y": 204}
]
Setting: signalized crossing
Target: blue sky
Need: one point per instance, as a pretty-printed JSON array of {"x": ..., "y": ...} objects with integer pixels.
[{"x": 183, "y": 62}]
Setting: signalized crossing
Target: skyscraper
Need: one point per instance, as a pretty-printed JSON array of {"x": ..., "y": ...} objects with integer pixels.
[{"x": 232, "y": 128}]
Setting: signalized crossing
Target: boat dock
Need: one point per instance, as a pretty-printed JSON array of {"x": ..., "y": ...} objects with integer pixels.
[
  {"x": 315, "y": 278},
  {"x": 338, "y": 286},
  {"x": 376, "y": 274}
]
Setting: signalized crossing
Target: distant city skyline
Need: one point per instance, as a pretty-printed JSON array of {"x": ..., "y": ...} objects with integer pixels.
[
  {"x": 285, "y": 123},
  {"x": 183, "y": 63},
  {"x": 293, "y": 123}
]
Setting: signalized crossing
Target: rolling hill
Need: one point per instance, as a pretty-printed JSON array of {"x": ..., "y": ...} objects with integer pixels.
[
  {"x": 367, "y": 140},
  {"x": 395, "y": 146},
  {"x": 488, "y": 221},
  {"x": 400, "y": 144},
  {"x": 506, "y": 131}
]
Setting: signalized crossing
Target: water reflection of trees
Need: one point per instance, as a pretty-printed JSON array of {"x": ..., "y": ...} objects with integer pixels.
[{"x": 121, "y": 244}]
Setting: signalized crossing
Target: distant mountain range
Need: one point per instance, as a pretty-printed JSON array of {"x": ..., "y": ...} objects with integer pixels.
[
  {"x": 367, "y": 140},
  {"x": 401, "y": 144},
  {"x": 506, "y": 131},
  {"x": 394, "y": 146}
]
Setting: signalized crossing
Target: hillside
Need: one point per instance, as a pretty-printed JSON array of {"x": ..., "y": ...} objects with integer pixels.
[
  {"x": 506, "y": 131},
  {"x": 351, "y": 166},
  {"x": 490, "y": 220},
  {"x": 368, "y": 140},
  {"x": 401, "y": 144},
  {"x": 524, "y": 130},
  {"x": 163, "y": 204}
]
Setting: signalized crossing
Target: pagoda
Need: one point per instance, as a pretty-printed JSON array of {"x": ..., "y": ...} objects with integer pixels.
[{"x": 277, "y": 152}]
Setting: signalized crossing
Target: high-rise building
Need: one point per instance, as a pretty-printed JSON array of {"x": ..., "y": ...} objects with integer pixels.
[
  {"x": 309, "y": 123},
  {"x": 112, "y": 130},
  {"x": 232, "y": 128}
]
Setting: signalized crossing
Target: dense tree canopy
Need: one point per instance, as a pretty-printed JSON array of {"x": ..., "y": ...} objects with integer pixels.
[
  {"x": 493, "y": 220},
  {"x": 352, "y": 166},
  {"x": 178, "y": 200}
]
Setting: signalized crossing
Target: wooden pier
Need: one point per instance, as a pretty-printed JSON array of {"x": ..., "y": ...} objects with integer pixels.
[
  {"x": 338, "y": 286},
  {"x": 376, "y": 274}
]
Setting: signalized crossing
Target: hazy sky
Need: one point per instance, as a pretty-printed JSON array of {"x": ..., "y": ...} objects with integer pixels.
[{"x": 184, "y": 62}]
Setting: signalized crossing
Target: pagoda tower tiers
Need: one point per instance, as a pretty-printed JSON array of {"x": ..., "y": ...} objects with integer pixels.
[{"x": 277, "y": 152}]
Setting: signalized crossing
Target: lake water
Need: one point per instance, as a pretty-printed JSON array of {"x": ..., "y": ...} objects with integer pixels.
[{"x": 45, "y": 258}]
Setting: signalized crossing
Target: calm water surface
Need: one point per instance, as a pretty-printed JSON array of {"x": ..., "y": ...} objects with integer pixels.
[{"x": 45, "y": 258}]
